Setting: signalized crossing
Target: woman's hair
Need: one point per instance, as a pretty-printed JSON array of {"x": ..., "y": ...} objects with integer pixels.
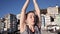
[
  {"x": 29, "y": 12},
  {"x": 36, "y": 19}
]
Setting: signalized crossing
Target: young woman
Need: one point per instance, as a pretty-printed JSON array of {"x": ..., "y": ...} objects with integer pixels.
[{"x": 28, "y": 20}]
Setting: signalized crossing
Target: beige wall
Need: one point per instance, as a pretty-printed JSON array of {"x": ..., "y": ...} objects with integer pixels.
[{"x": 52, "y": 10}]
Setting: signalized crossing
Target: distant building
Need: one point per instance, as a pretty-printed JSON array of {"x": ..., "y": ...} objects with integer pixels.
[
  {"x": 18, "y": 19},
  {"x": 43, "y": 11},
  {"x": 10, "y": 22},
  {"x": 52, "y": 10},
  {"x": 2, "y": 25},
  {"x": 57, "y": 19},
  {"x": 43, "y": 21}
]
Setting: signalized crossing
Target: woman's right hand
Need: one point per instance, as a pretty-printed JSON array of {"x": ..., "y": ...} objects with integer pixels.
[{"x": 27, "y": 0}]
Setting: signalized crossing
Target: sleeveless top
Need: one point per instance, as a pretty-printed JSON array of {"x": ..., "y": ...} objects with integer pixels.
[{"x": 28, "y": 31}]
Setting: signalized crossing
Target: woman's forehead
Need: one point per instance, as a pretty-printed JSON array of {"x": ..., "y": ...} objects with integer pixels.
[{"x": 31, "y": 14}]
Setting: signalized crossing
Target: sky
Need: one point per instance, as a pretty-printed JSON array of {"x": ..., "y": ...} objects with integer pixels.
[{"x": 15, "y": 6}]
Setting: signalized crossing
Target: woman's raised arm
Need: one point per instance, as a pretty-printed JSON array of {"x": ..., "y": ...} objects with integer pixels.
[
  {"x": 37, "y": 12},
  {"x": 22, "y": 18}
]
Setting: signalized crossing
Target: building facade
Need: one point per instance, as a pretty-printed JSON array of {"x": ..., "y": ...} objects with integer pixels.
[
  {"x": 11, "y": 22},
  {"x": 2, "y": 25}
]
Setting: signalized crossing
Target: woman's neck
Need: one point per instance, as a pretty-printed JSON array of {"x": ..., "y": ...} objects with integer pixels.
[{"x": 31, "y": 27}]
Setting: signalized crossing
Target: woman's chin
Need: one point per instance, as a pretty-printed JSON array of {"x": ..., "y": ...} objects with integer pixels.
[{"x": 33, "y": 23}]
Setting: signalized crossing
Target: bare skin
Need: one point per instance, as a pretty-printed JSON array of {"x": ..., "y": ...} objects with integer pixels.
[
  {"x": 22, "y": 21},
  {"x": 37, "y": 12},
  {"x": 30, "y": 16}
]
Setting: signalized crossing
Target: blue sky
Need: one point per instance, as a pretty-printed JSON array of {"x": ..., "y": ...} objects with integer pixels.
[{"x": 14, "y": 6}]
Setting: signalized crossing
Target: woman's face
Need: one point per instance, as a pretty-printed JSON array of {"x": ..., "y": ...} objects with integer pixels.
[{"x": 30, "y": 19}]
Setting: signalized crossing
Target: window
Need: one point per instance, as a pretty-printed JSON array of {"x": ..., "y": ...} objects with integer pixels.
[{"x": 52, "y": 19}]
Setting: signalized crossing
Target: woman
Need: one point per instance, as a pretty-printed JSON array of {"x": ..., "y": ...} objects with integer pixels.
[{"x": 27, "y": 20}]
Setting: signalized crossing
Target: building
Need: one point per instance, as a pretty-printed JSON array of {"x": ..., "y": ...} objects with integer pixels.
[
  {"x": 52, "y": 10},
  {"x": 43, "y": 11},
  {"x": 2, "y": 25},
  {"x": 43, "y": 21},
  {"x": 10, "y": 22},
  {"x": 57, "y": 19},
  {"x": 18, "y": 20},
  {"x": 49, "y": 16}
]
